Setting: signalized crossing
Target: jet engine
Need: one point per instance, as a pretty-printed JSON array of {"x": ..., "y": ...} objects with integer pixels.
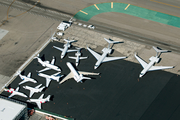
[{"x": 107, "y": 50}]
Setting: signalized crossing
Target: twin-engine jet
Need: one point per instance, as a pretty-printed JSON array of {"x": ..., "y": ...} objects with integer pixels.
[
  {"x": 34, "y": 90},
  {"x": 26, "y": 79},
  {"x": 102, "y": 58},
  {"x": 15, "y": 92},
  {"x": 47, "y": 64},
  {"x": 153, "y": 60},
  {"x": 77, "y": 58},
  {"x": 55, "y": 76},
  {"x": 66, "y": 46},
  {"x": 40, "y": 100},
  {"x": 77, "y": 75}
]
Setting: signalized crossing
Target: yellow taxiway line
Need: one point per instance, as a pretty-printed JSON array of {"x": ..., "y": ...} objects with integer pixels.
[
  {"x": 96, "y": 6},
  {"x": 111, "y": 4},
  {"x": 83, "y": 12},
  {"x": 127, "y": 6}
]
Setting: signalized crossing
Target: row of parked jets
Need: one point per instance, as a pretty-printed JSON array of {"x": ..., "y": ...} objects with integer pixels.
[{"x": 78, "y": 75}]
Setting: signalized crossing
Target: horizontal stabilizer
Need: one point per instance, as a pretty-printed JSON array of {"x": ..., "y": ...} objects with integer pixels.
[
  {"x": 158, "y": 50},
  {"x": 109, "y": 41}
]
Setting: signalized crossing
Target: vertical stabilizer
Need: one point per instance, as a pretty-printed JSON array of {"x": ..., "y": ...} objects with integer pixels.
[{"x": 110, "y": 42}]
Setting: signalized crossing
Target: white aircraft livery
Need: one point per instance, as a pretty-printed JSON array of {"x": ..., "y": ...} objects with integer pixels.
[
  {"x": 40, "y": 100},
  {"x": 102, "y": 58},
  {"x": 153, "y": 60},
  {"x": 47, "y": 64},
  {"x": 55, "y": 76},
  {"x": 77, "y": 58},
  {"x": 15, "y": 92},
  {"x": 26, "y": 79},
  {"x": 66, "y": 46},
  {"x": 34, "y": 90},
  {"x": 77, "y": 75}
]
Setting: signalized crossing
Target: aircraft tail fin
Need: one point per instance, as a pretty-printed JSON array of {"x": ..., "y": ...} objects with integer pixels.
[
  {"x": 159, "y": 51},
  {"x": 48, "y": 98},
  {"x": 36, "y": 56},
  {"x": 69, "y": 41},
  {"x": 109, "y": 41}
]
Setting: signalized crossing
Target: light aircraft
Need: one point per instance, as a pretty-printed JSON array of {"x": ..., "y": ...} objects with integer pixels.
[
  {"x": 153, "y": 60},
  {"x": 55, "y": 76},
  {"x": 15, "y": 92},
  {"x": 66, "y": 46},
  {"x": 102, "y": 58},
  {"x": 47, "y": 64},
  {"x": 40, "y": 100},
  {"x": 77, "y": 58},
  {"x": 34, "y": 90},
  {"x": 77, "y": 75},
  {"x": 26, "y": 79}
]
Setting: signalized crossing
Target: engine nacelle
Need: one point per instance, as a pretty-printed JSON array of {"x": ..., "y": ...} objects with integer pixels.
[
  {"x": 154, "y": 59},
  {"x": 68, "y": 45},
  {"x": 107, "y": 50},
  {"x": 78, "y": 54}
]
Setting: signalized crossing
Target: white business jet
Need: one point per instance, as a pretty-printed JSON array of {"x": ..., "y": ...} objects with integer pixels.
[
  {"x": 26, "y": 79},
  {"x": 47, "y": 64},
  {"x": 77, "y": 75},
  {"x": 34, "y": 90},
  {"x": 55, "y": 76},
  {"x": 15, "y": 92},
  {"x": 40, "y": 100},
  {"x": 153, "y": 60},
  {"x": 102, "y": 58},
  {"x": 77, "y": 58},
  {"x": 66, "y": 46}
]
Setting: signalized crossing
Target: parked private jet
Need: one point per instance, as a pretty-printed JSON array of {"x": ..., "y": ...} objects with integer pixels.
[
  {"x": 55, "y": 76},
  {"x": 26, "y": 79},
  {"x": 153, "y": 60},
  {"x": 77, "y": 75},
  {"x": 66, "y": 46},
  {"x": 77, "y": 58},
  {"x": 15, "y": 92},
  {"x": 47, "y": 64},
  {"x": 34, "y": 90},
  {"x": 102, "y": 58},
  {"x": 40, "y": 100}
]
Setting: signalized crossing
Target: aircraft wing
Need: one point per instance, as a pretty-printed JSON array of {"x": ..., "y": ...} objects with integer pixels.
[
  {"x": 141, "y": 61},
  {"x": 71, "y": 50},
  {"x": 22, "y": 82},
  {"x": 70, "y": 75},
  {"x": 29, "y": 75},
  {"x": 87, "y": 73},
  {"x": 38, "y": 104},
  {"x": 11, "y": 95},
  {"x": 31, "y": 93},
  {"x": 83, "y": 57},
  {"x": 45, "y": 69},
  {"x": 47, "y": 82},
  {"x": 153, "y": 68},
  {"x": 72, "y": 57},
  {"x": 58, "y": 48},
  {"x": 38, "y": 86},
  {"x": 96, "y": 55},
  {"x": 112, "y": 58}
]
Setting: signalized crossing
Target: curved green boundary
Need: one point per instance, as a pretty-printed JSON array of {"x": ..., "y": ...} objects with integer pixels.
[{"x": 131, "y": 10}]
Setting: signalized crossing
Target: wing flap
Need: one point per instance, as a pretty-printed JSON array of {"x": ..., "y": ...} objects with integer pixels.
[
  {"x": 87, "y": 73},
  {"x": 153, "y": 68},
  {"x": 70, "y": 75},
  {"x": 141, "y": 61},
  {"x": 107, "y": 59},
  {"x": 96, "y": 55}
]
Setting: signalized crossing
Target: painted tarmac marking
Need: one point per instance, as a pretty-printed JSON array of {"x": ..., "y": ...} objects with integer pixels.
[
  {"x": 96, "y": 6},
  {"x": 165, "y": 3},
  {"x": 111, "y": 4},
  {"x": 83, "y": 12},
  {"x": 127, "y": 6}
]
